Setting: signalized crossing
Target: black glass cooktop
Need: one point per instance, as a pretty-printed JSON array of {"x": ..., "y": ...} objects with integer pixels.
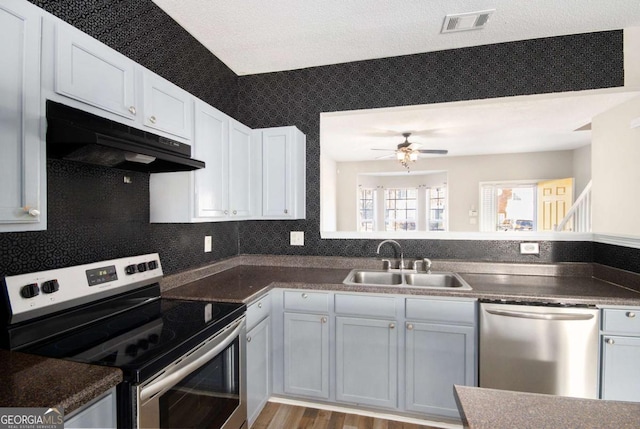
[{"x": 141, "y": 340}]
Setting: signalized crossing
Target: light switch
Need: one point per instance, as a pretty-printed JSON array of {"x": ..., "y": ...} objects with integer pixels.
[
  {"x": 207, "y": 243},
  {"x": 529, "y": 248}
]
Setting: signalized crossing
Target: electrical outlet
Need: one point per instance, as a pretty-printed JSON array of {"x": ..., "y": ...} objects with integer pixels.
[
  {"x": 529, "y": 248},
  {"x": 207, "y": 243},
  {"x": 297, "y": 238}
]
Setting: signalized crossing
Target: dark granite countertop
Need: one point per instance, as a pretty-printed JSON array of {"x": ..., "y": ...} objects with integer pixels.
[
  {"x": 500, "y": 409},
  {"x": 34, "y": 381},
  {"x": 244, "y": 283}
]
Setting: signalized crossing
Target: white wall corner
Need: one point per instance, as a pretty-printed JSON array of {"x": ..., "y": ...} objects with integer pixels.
[{"x": 631, "y": 37}]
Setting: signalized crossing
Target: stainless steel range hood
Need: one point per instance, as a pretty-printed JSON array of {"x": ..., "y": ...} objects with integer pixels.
[{"x": 76, "y": 135}]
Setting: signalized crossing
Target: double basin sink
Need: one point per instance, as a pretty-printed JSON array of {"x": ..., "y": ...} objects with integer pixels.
[{"x": 406, "y": 278}]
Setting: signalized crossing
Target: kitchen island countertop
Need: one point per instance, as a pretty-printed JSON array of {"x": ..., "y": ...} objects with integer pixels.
[
  {"x": 34, "y": 381},
  {"x": 482, "y": 408},
  {"x": 245, "y": 283}
]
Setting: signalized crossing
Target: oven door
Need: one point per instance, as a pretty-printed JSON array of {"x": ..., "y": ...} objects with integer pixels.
[{"x": 203, "y": 389}]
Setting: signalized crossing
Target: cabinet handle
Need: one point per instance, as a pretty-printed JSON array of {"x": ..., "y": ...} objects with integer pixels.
[
  {"x": 304, "y": 296},
  {"x": 248, "y": 339},
  {"x": 392, "y": 325},
  {"x": 259, "y": 305},
  {"x": 152, "y": 119},
  {"x": 409, "y": 326},
  {"x": 631, "y": 314},
  {"x": 323, "y": 320},
  {"x": 610, "y": 341},
  {"x": 132, "y": 110},
  {"x": 286, "y": 211}
]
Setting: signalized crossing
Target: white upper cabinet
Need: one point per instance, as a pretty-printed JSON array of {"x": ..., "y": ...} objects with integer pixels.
[
  {"x": 167, "y": 107},
  {"x": 283, "y": 153},
  {"x": 212, "y": 147},
  {"x": 88, "y": 71},
  {"x": 23, "y": 163},
  {"x": 242, "y": 167}
]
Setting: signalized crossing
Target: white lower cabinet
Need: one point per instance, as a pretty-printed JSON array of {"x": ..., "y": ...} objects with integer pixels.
[
  {"x": 367, "y": 361},
  {"x": 306, "y": 355},
  {"x": 258, "y": 368},
  {"x": 620, "y": 342},
  {"x": 99, "y": 413},
  {"x": 385, "y": 351}
]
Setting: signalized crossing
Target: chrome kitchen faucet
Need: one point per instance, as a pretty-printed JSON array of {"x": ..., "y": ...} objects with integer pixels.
[{"x": 401, "y": 266}]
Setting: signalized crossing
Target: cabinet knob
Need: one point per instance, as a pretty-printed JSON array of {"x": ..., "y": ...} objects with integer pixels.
[
  {"x": 323, "y": 320},
  {"x": 392, "y": 325},
  {"x": 33, "y": 212},
  {"x": 132, "y": 110},
  {"x": 409, "y": 326},
  {"x": 259, "y": 305},
  {"x": 610, "y": 341},
  {"x": 226, "y": 212},
  {"x": 152, "y": 119},
  {"x": 286, "y": 211},
  {"x": 235, "y": 212},
  {"x": 248, "y": 339},
  {"x": 631, "y": 314},
  {"x": 304, "y": 296}
]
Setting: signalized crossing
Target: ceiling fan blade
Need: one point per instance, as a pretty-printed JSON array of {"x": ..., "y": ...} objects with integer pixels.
[
  {"x": 414, "y": 146},
  {"x": 389, "y": 150},
  {"x": 435, "y": 151},
  {"x": 385, "y": 156}
]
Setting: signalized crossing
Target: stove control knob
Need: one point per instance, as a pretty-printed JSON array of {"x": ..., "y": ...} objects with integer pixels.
[
  {"x": 154, "y": 338},
  {"x": 50, "y": 286},
  {"x": 130, "y": 269},
  {"x": 30, "y": 290},
  {"x": 142, "y": 267},
  {"x": 131, "y": 350},
  {"x": 152, "y": 265}
]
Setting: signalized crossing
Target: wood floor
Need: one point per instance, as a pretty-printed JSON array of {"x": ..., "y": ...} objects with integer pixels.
[{"x": 283, "y": 416}]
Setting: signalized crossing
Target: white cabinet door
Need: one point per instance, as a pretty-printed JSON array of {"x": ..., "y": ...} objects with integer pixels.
[
  {"x": 367, "y": 361},
  {"x": 620, "y": 374},
  {"x": 90, "y": 72},
  {"x": 211, "y": 145},
  {"x": 306, "y": 355},
  {"x": 167, "y": 107},
  {"x": 258, "y": 365},
  {"x": 437, "y": 357},
  {"x": 241, "y": 162},
  {"x": 100, "y": 413},
  {"x": 22, "y": 164},
  {"x": 283, "y": 151}
]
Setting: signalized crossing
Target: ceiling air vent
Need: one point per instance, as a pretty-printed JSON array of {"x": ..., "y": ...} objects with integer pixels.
[{"x": 466, "y": 21}]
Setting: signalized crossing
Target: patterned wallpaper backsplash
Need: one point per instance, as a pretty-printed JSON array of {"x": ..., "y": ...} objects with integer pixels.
[{"x": 93, "y": 215}]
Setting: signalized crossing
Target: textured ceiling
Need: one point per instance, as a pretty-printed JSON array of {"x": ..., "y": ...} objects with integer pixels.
[
  {"x": 504, "y": 125},
  {"x": 256, "y": 36}
]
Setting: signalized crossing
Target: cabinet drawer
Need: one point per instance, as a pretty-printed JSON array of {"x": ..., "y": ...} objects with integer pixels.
[
  {"x": 379, "y": 306},
  {"x": 442, "y": 311},
  {"x": 624, "y": 321},
  {"x": 306, "y": 301},
  {"x": 258, "y": 311}
]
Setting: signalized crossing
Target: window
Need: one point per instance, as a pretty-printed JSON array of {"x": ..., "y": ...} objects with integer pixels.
[
  {"x": 437, "y": 202},
  {"x": 508, "y": 207},
  {"x": 400, "y": 209},
  {"x": 366, "y": 205}
]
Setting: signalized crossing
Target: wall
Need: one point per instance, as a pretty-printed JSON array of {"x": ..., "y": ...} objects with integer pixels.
[
  {"x": 616, "y": 151},
  {"x": 297, "y": 97},
  {"x": 92, "y": 214},
  {"x": 464, "y": 175},
  {"x": 581, "y": 168}
]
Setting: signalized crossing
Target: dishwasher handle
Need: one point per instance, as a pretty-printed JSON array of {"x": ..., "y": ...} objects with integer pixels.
[{"x": 541, "y": 316}]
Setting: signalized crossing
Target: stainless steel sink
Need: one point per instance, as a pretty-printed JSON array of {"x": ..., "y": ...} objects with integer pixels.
[{"x": 406, "y": 278}]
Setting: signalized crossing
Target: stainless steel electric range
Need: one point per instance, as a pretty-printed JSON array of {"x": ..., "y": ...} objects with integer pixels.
[{"x": 183, "y": 361}]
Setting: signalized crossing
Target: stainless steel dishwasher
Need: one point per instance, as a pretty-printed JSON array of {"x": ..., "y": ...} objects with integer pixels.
[{"x": 539, "y": 348}]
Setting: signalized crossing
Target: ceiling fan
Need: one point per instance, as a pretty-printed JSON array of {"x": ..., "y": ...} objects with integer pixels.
[{"x": 407, "y": 152}]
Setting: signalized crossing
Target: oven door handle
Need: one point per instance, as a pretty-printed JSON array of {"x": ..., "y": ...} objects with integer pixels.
[{"x": 150, "y": 390}]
